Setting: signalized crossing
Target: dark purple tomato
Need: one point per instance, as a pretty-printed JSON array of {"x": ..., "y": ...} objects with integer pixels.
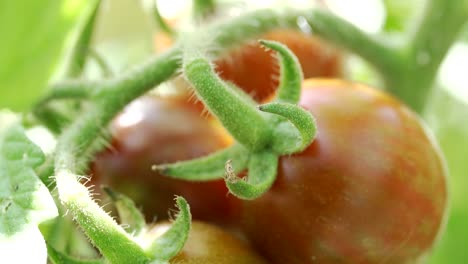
[
  {"x": 371, "y": 188},
  {"x": 156, "y": 130}
]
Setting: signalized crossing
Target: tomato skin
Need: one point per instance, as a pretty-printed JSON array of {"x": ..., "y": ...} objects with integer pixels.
[
  {"x": 371, "y": 188},
  {"x": 155, "y": 130},
  {"x": 256, "y": 70},
  {"x": 210, "y": 244}
]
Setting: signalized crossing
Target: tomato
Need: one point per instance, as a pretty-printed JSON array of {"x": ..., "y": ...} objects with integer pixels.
[
  {"x": 256, "y": 71},
  {"x": 371, "y": 188},
  {"x": 156, "y": 130},
  {"x": 210, "y": 244}
]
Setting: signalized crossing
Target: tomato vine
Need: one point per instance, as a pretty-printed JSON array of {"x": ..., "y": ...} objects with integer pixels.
[{"x": 419, "y": 55}]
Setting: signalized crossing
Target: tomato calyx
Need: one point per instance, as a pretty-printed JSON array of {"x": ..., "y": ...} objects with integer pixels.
[
  {"x": 129, "y": 215},
  {"x": 164, "y": 247},
  {"x": 207, "y": 168},
  {"x": 263, "y": 133}
]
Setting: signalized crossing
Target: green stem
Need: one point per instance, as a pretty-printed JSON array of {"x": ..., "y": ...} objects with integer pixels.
[
  {"x": 80, "y": 50},
  {"x": 119, "y": 92},
  {"x": 203, "y": 8},
  {"x": 237, "y": 30},
  {"x": 441, "y": 22},
  {"x": 106, "y": 70},
  {"x": 73, "y": 90},
  {"x": 51, "y": 118},
  {"x": 243, "y": 121},
  {"x": 75, "y": 147},
  {"x": 226, "y": 34},
  {"x": 344, "y": 34},
  {"x": 111, "y": 239}
]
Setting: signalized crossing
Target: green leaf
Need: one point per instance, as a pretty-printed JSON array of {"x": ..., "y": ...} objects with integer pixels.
[
  {"x": 447, "y": 117},
  {"x": 25, "y": 201},
  {"x": 35, "y": 34}
]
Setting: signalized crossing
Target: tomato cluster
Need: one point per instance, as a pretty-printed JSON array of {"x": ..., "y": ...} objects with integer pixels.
[
  {"x": 155, "y": 130},
  {"x": 371, "y": 188}
]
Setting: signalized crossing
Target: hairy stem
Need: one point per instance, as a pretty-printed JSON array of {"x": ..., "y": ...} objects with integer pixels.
[
  {"x": 113, "y": 242},
  {"x": 79, "y": 53},
  {"x": 243, "y": 121},
  {"x": 342, "y": 33}
]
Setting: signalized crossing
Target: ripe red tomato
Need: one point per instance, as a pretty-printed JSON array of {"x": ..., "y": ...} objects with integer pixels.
[
  {"x": 371, "y": 188},
  {"x": 155, "y": 130},
  {"x": 210, "y": 244},
  {"x": 256, "y": 70}
]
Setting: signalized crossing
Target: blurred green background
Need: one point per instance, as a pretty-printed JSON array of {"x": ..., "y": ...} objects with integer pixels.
[{"x": 37, "y": 34}]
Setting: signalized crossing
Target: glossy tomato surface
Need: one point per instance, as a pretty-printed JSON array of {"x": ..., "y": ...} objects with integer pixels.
[
  {"x": 208, "y": 244},
  {"x": 256, "y": 70},
  {"x": 371, "y": 188},
  {"x": 155, "y": 130}
]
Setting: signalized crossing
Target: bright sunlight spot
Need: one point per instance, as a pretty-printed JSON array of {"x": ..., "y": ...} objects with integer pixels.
[
  {"x": 29, "y": 239},
  {"x": 172, "y": 9},
  {"x": 133, "y": 114},
  {"x": 43, "y": 138},
  {"x": 369, "y": 15},
  {"x": 453, "y": 71}
]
